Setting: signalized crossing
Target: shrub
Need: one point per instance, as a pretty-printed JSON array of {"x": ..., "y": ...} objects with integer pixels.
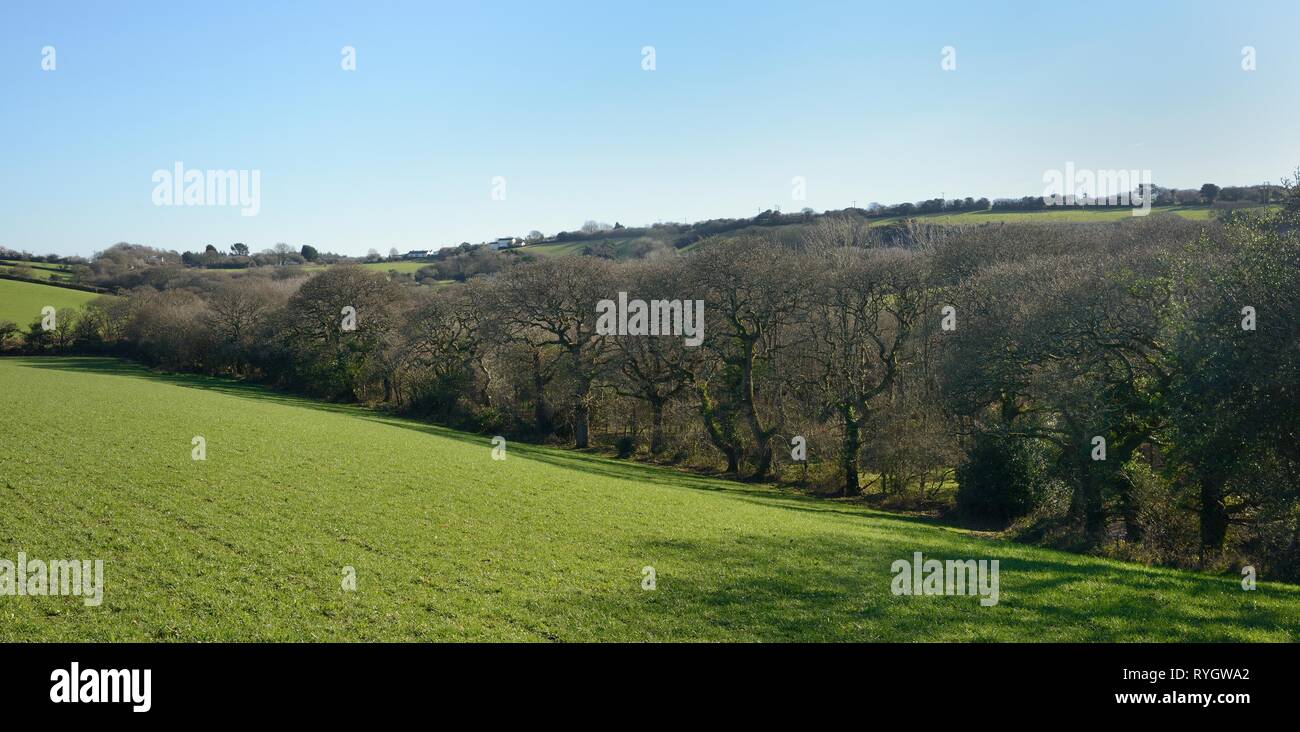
[
  {"x": 1001, "y": 478},
  {"x": 626, "y": 445}
]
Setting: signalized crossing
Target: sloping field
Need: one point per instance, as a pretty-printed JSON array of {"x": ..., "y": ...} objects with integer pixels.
[
  {"x": 449, "y": 544},
  {"x": 36, "y": 270},
  {"x": 402, "y": 267},
  {"x": 21, "y": 302}
]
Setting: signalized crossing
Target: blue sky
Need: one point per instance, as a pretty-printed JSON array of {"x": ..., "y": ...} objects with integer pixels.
[{"x": 744, "y": 97}]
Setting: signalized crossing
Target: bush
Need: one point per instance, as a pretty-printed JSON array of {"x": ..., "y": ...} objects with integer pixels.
[
  {"x": 626, "y": 445},
  {"x": 1001, "y": 478}
]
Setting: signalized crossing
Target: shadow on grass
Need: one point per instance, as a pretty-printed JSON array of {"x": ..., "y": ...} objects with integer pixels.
[
  {"x": 127, "y": 369},
  {"x": 834, "y": 588},
  {"x": 568, "y": 459}
]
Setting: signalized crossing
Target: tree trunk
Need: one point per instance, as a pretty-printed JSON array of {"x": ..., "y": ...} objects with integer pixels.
[
  {"x": 733, "y": 460},
  {"x": 581, "y": 425},
  {"x": 722, "y": 435},
  {"x": 1128, "y": 509},
  {"x": 762, "y": 437},
  {"x": 1214, "y": 517},
  {"x": 582, "y": 414},
  {"x": 656, "y": 426},
  {"x": 852, "y": 446},
  {"x": 1085, "y": 503},
  {"x": 541, "y": 413},
  {"x": 485, "y": 392}
]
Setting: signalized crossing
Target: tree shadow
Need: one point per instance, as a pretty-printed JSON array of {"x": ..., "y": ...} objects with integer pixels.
[
  {"x": 590, "y": 464},
  {"x": 833, "y": 588},
  {"x": 233, "y": 387}
]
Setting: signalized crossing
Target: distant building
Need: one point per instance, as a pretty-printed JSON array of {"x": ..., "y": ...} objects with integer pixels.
[
  {"x": 416, "y": 254},
  {"x": 506, "y": 242}
]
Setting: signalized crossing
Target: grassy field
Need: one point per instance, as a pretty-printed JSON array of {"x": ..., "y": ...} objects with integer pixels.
[
  {"x": 562, "y": 249},
  {"x": 448, "y": 544},
  {"x": 21, "y": 302},
  {"x": 403, "y": 267},
  {"x": 36, "y": 270}
]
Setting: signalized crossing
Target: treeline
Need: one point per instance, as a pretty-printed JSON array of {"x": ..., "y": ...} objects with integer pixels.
[
  {"x": 1208, "y": 194},
  {"x": 26, "y": 256},
  {"x": 1123, "y": 388}
]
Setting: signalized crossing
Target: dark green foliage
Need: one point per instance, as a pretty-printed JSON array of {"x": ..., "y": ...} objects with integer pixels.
[{"x": 1002, "y": 478}]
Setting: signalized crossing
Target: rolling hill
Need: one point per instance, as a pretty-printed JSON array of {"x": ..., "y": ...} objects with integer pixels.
[
  {"x": 446, "y": 543},
  {"x": 21, "y": 302},
  {"x": 36, "y": 270},
  {"x": 623, "y": 246}
]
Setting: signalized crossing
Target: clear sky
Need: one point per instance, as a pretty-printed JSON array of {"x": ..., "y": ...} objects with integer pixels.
[{"x": 553, "y": 97}]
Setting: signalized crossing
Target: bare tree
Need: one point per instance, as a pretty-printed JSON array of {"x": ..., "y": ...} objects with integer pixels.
[
  {"x": 655, "y": 369},
  {"x": 753, "y": 289},
  {"x": 282, "y": 253},
  {"x": 860, "y": 314},
  {"x": 236, "y": 309},
  {"x": 557, "y": 298},
  {"x": 338, "y": 343}
]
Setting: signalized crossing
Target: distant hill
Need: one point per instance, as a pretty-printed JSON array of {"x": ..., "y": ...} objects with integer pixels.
[{"x": 620, "y": 245}]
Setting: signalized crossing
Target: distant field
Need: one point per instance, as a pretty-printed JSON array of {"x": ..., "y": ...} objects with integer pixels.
[
  {"x": 971, "y": 218},
  {"x": 558, "y": 250},
  {"x": 402, "y": 267},
  {"x": 448, "y": 544},
  {"x": 1054, "y": 215},
  {"x": 37, "y": 270},
  {"x": 21, "y": 302},
  {"x": 622, "y": 246}
]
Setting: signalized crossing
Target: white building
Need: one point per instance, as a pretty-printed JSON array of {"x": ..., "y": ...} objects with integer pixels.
[{"x": 506, "y": 242}]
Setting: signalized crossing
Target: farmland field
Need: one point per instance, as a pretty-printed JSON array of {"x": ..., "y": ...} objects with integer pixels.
[
  {"x": 36, "y": 270},
  {"x": 21, "y": 302},
  {"x": 449, "y": 544},
  {"x": 403, "y": 267}
]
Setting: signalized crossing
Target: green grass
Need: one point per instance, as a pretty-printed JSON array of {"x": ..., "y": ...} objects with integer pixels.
[
  {"x": 561, "y": 249},
  {"x": 403, "y": 267},
  {"x": 21, "y": 302},
  {"x": 450, "y": 545},
  {"x": 37, "y": 270}
]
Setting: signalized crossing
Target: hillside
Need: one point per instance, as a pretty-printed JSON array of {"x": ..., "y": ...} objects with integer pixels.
[
  {"x": 448, "y": 544},
  {"x": 21, "y": 302},
  {"x": 623, "y": 246},
  {"x": 36, "y": 270}
]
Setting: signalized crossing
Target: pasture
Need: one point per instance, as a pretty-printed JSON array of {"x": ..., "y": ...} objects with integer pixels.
[
  {"x": 402, "y": 267},
  {"x": 36, "y": 270},
  {"x": 251, "y": 543},
  {"x": 21, "y": 302}
]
